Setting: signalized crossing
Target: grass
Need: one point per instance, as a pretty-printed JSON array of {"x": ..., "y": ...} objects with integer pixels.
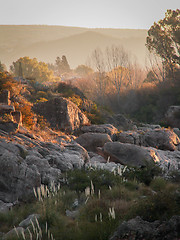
[{"x": 103, "y": 201}]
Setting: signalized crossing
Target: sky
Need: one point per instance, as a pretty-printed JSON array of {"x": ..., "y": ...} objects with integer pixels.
[{"x": 132, "y": 14}]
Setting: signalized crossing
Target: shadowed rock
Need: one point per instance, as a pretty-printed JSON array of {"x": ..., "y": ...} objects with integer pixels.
[{"x": 62, "y": 113}]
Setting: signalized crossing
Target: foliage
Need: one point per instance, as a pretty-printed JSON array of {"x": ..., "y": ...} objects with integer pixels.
[
  {"x": 8, "y": 83},
  {"x": 42, "y": 122},
  {"x": 2, "y": 67},
  {"x": 83, "y": 70},
  {"x": 27, "y": 114},
  {"x": 32, "y": 69},
  {"x": 144, "y": 175},
  {"x": 62, "y": 65},
  {"x": 99, "y": 213},
  {"x": 163, "y": 39}
]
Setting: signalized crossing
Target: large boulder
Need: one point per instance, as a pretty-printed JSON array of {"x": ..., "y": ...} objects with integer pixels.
[
  {"x": 172, "y": 116},
  {"x": 136, "y": 156},
  {"x": 103, "y": 128},
  {"x": 137, "y": 228},
  {"x": 163, "y": 139},
  {"x": 127, "y": 154},
  {"x": 90, "y": 141},
  {"x": 62, "y": 113}
]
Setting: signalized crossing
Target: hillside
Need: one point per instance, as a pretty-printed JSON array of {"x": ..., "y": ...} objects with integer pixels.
[{"x": 48, "y": 42}]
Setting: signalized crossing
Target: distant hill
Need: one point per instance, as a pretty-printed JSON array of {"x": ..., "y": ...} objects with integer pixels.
[{"x": 47, "y": 42}]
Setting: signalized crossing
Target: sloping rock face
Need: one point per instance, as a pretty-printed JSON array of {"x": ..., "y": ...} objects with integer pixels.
[
  {"x": 173, "y": 116},
  {"x": 163, "y": 139},
  {"x": 62, "y": 113},
  {"x": 103, "y": 128},
  {"x": 137, "y": 228},
  {"x": 22, "y": 167},
  {"x": 90, "y": 141}
]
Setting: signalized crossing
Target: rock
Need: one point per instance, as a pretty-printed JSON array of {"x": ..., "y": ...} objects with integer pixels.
[
  {"x": 147, "y": 127},
  {"x": 73, "y": 156},
  {"x": 121, "y": 122},
  {"x": 6, "y": 108},
  {"x": 9, "y": 127},
  {"x": 172, "y": 116},
  {"x": 103, "y": 128},
  {"x": 163, "y": 139},
  {"x": 5, "y": 207},
  {"x": 17, "y": 117},
  {"x": 72, "y": 214},
  {"x": 26, "y": 222},
  {"x": 5, "y": 97},
  {"x": 13, "y": 233},
  {"x": 139, "y": 229},
  {"x": 62, "y": 113},
  {"x": 90, "y": 141},
  {"x": 127, "y": 154},
  {"x": 131, "y": 137},
  {"x": 167, "y": 160},
  {"x": 177, "y": 131}
]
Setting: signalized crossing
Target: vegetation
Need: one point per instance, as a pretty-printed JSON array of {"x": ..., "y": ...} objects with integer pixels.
[
  {"x": 98, "y": 200},
  {"x": 28, "y": 68}
]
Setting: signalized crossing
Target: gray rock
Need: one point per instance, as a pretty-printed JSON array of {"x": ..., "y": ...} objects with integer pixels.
[
  {"x": 9, "y": 127},
  {"x": 13, "y": 233},
  {"x": 103, "y": 128},
  {"x": 177, "y": 131},
  {"x": 90, "y": 141},
  {"x": 163, "y": 139},
  {"x": 26, "y": 222},
  {"x": 62, "y": 113},
  {"x": 5, "y": 207},
  {"x": 72, "y": 214},
  {"x": 127, "y": 154},
  {"x": 137, "y": 228},
  {"x": 172, "y": 116}
]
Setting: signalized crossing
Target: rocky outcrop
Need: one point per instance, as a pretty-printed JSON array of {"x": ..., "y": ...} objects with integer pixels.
[
  {"x": 103, "y": 128},
  {"x": 137, "y": 228},
  {"x": 62, "y": 113},
  {"x": 90, "y": 141},
  {"x": 22, "y": 167},
  {"x": 163, "y": 139},
  {"x": 172, "y": 116}
]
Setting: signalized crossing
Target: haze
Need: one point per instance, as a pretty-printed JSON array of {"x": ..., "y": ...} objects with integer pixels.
[{"x": 137, "y": 14}]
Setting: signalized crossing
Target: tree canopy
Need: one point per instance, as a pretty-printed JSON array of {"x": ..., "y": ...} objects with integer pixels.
[
  {"x": 32, "y": 69},
  {"x": 164, "y": 40},
  {"x": 62, "y": 65}
]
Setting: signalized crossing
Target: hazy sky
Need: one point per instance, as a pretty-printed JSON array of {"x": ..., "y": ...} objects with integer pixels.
[{"x": 86, "y": 13}]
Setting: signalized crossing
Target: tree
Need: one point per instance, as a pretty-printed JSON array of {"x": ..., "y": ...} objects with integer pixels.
[
  {"x": 83, "y": 70},
  {"x": 62, "y": 65},
  {"x": 2, "y": 67},
  {"x": 32, "y": 69},
  {"x": 164, "y": 40},
  {"x": 118, "y": 64}
]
